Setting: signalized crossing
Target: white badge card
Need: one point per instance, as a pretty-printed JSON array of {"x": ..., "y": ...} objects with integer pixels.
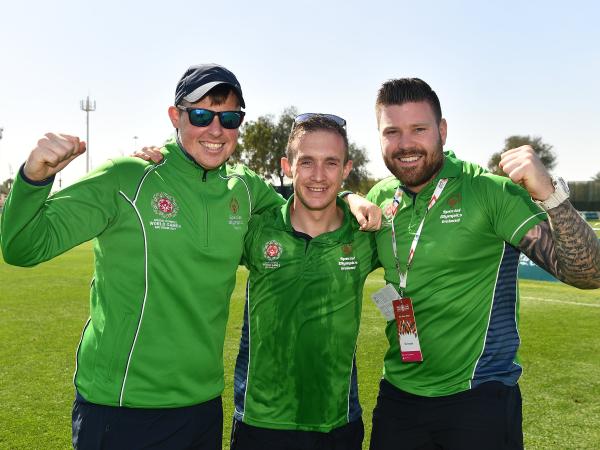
[{"x": 383, "y": 299}]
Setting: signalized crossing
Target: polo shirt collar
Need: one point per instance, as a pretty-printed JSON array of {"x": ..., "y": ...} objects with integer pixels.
[{"x": 343, "y": 234}]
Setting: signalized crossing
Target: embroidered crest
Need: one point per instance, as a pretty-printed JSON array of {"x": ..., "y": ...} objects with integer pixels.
[
  {"x": 347, "y": 249},
  {"x": 234, "y": 206},
  {"x": 272, "y": 250},
  {"x": 164, "y": 205},
  {"x": 454, "y": 200}
]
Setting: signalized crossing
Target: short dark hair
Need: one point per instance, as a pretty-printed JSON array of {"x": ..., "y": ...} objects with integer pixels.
[
  {"x": 315, "y": 123},
  {"x": 217, "y": 95},
  {"x": 405, "y": 90}
]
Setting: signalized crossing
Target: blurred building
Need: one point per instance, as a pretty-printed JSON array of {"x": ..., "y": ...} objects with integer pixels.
[{"x": 585, "y": 195}]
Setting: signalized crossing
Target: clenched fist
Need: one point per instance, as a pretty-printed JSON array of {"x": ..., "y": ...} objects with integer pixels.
[
  {"x": 52, "y": 154},
  {"x": 524, "y": 167}
]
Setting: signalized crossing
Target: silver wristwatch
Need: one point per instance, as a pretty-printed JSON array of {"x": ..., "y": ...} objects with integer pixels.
[{"x": 560, "y": 194}]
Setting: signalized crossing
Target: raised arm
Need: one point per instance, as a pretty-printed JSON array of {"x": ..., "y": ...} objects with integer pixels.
[
  {"x": 565, "y": 245},
  {"x": 35, "y": 227}
]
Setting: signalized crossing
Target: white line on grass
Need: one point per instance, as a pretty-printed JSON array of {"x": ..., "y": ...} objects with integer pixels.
[{"x": 561, "y": 301}]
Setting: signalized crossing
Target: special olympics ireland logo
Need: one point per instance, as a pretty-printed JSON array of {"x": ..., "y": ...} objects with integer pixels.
[{"x": 164, "y": 205}]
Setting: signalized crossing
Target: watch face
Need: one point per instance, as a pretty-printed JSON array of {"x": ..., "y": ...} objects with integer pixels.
[{"x": 561, "y": 184}]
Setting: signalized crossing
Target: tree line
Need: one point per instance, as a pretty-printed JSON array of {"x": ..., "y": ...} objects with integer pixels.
[{"x": 263, "y": 143}]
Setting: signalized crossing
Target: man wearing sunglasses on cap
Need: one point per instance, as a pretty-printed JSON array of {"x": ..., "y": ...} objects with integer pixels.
[
  {"x": 295, "y": 377},
  {"x": 167, "y": 242},
  {"x": 450, "y": 249}
]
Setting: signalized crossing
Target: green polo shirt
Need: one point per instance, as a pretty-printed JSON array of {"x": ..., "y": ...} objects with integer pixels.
[
  {"x": 295, "y": 369},
  {"x": 463, "y": 278}
]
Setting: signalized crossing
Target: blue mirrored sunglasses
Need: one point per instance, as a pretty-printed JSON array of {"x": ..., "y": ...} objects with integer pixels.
[
  {"x": 200, "y": 117},
  {"x": 304, "y": 117}
]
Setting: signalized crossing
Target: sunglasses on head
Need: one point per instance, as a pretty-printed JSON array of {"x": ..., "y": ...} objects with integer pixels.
[
  {"x": 200, "y": 117},
  {"x": 304, "y": 117}
]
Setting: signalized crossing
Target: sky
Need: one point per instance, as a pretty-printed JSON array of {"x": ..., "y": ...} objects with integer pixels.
[{"x": 527, "y": 68}]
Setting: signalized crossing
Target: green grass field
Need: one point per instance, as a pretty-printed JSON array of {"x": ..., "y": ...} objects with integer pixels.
[{"x": 43, "y": 310}]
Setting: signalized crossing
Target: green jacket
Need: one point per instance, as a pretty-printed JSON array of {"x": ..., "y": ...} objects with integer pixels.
[{"x": 167, "y": 242}]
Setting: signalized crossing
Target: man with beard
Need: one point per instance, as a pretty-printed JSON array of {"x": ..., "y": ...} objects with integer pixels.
[{"x": 450, "y": 246}]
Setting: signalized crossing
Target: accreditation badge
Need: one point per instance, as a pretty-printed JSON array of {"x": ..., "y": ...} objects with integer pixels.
[
  {"x": 410, "y": 349},
  {"x": 392, "y": 307}
]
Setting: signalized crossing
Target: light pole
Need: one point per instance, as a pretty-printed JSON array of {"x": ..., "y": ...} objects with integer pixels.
[
  {"x": 87, "y": 106},
  {"x": 135, "y": 138}
]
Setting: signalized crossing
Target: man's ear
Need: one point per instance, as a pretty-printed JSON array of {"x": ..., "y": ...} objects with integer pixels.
[
  {"x": 286, "y": 167},
  {"x": 174, "y": 116},
  {"x": 347, "y": 169},
  {"x": 443, "y": 130}
]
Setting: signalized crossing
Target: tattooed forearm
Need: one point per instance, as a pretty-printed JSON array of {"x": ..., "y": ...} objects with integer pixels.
[
  {"x": 538, "y": 246},
  {"x": 567, "y": 247}
]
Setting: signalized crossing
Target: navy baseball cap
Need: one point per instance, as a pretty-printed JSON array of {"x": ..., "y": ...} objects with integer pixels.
[{"x": 198, "y": 80}]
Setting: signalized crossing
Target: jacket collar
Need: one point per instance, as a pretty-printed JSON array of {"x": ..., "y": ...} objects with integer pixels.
[{"x": 176, "y": 154}]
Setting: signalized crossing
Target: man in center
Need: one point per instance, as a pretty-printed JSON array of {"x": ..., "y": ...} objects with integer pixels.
[{"x": 295, "y": 376}]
